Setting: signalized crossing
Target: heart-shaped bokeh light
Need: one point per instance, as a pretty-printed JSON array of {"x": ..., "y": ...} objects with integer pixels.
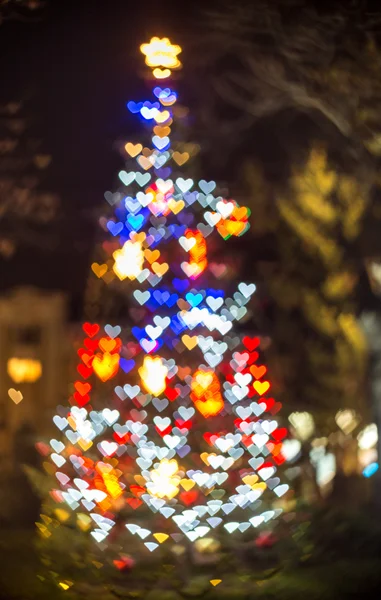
[{"x": 185, "y": 426}]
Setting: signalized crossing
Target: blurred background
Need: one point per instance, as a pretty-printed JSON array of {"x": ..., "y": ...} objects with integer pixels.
[{"x": 285, "y": 107}]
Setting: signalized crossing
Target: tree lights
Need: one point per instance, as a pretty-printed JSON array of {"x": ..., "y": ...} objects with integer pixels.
[
  {"x": 187, "y": 427},
  {"x": 161, "y": 53}
]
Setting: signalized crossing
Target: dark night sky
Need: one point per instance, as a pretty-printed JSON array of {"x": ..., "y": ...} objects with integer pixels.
[{"x": 81, "y": 60}]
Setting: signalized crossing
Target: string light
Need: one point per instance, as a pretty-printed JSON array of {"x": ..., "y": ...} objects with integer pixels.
[
  {"x": 221, "y": 390},
  {"x": 153, "y": 374},
  {"x": 206, "y": 393},
  {"x": 164, "y": 479},
  {"x": 129, "y": 260}
]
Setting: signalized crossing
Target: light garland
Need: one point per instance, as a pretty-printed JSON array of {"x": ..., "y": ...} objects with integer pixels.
[{"x": 195, "y": 374}]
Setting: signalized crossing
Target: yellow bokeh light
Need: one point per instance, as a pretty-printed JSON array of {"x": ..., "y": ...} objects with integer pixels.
[
  {"x": 153, "y": 373},
  {"x": 161, "y": 73},
  {"x": 129, "y": 260},
  {"x": 162, "y": 117},
  {"x": 206, "y": 393},
  {"x": 207, "y": 545},
  {"x": 159, "y": 52},
  {"x": 164, "y": 479},
  {"x": 22, "y": 370},
  {"x": 112, "y": 484}
]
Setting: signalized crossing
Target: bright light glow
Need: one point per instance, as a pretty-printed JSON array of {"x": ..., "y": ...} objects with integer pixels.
[
  {"x": 161, "y": 53},
  {"x": 303, "y": 424},
  {"x": 234, "y": 219},
  {"x": 15, "y": 395},
  {"x": 129, "y": 260},
  {"x": 153, "y": 373},
  {"x": 105, "y": 365},
  {"x": 368, "y": 437},
  {"x": 164, "y": 479},
  {"x": 325, "y": 464},
  {"x": 374, "y": 274},
  {"x": 197, "y": 253},
  {"x": 291, "y": 449},
  {"x": 370, "y": 469},
  {"x": 112, "y": 484},
  {"x": 375, "y": 269},
  {"x": 24, "y": 370},
  {"x": 347, "y": 420},
  {"x": 161, "y": 73},
  {"x": 206, "y": 393}
]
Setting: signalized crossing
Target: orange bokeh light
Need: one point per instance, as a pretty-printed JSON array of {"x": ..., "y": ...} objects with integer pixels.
[
  {"x": 197, "y": 252},
  {"x": 206, "y": 393}
]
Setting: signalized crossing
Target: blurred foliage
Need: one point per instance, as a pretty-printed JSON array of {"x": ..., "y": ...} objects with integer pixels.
[
  {"x": 319, "y": 347},
  {"x": 26, "y": 209},
  {"x": 291, "y": 98},
  {"x": 321, "y": 554},
  {"x": 20, "y": 10},
  {"x": 269, "y": 56}
]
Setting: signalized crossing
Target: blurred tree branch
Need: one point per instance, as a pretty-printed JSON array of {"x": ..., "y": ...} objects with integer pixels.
[
  {"x": 20, "y": 10},
  {"x": 26, "y": 210},
  {"x": 265, "y": 57},
  {"x": 260, "y": 62}
]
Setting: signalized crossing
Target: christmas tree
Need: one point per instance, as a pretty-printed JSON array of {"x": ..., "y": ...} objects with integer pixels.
[{"x": 170, "y": 436}]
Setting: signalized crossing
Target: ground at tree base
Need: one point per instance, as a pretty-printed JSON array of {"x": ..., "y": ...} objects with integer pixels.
[{"x": 337, "y": 559}]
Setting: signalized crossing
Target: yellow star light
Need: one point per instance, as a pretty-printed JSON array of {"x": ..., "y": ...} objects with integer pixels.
[{"x": 160, "y": 53}]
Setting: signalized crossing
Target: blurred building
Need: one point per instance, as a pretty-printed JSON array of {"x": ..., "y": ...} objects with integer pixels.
[{"x": 35, "y": 351}]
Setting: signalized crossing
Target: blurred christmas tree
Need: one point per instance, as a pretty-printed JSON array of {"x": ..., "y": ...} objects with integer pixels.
[{"x": 186, "y": 451}]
